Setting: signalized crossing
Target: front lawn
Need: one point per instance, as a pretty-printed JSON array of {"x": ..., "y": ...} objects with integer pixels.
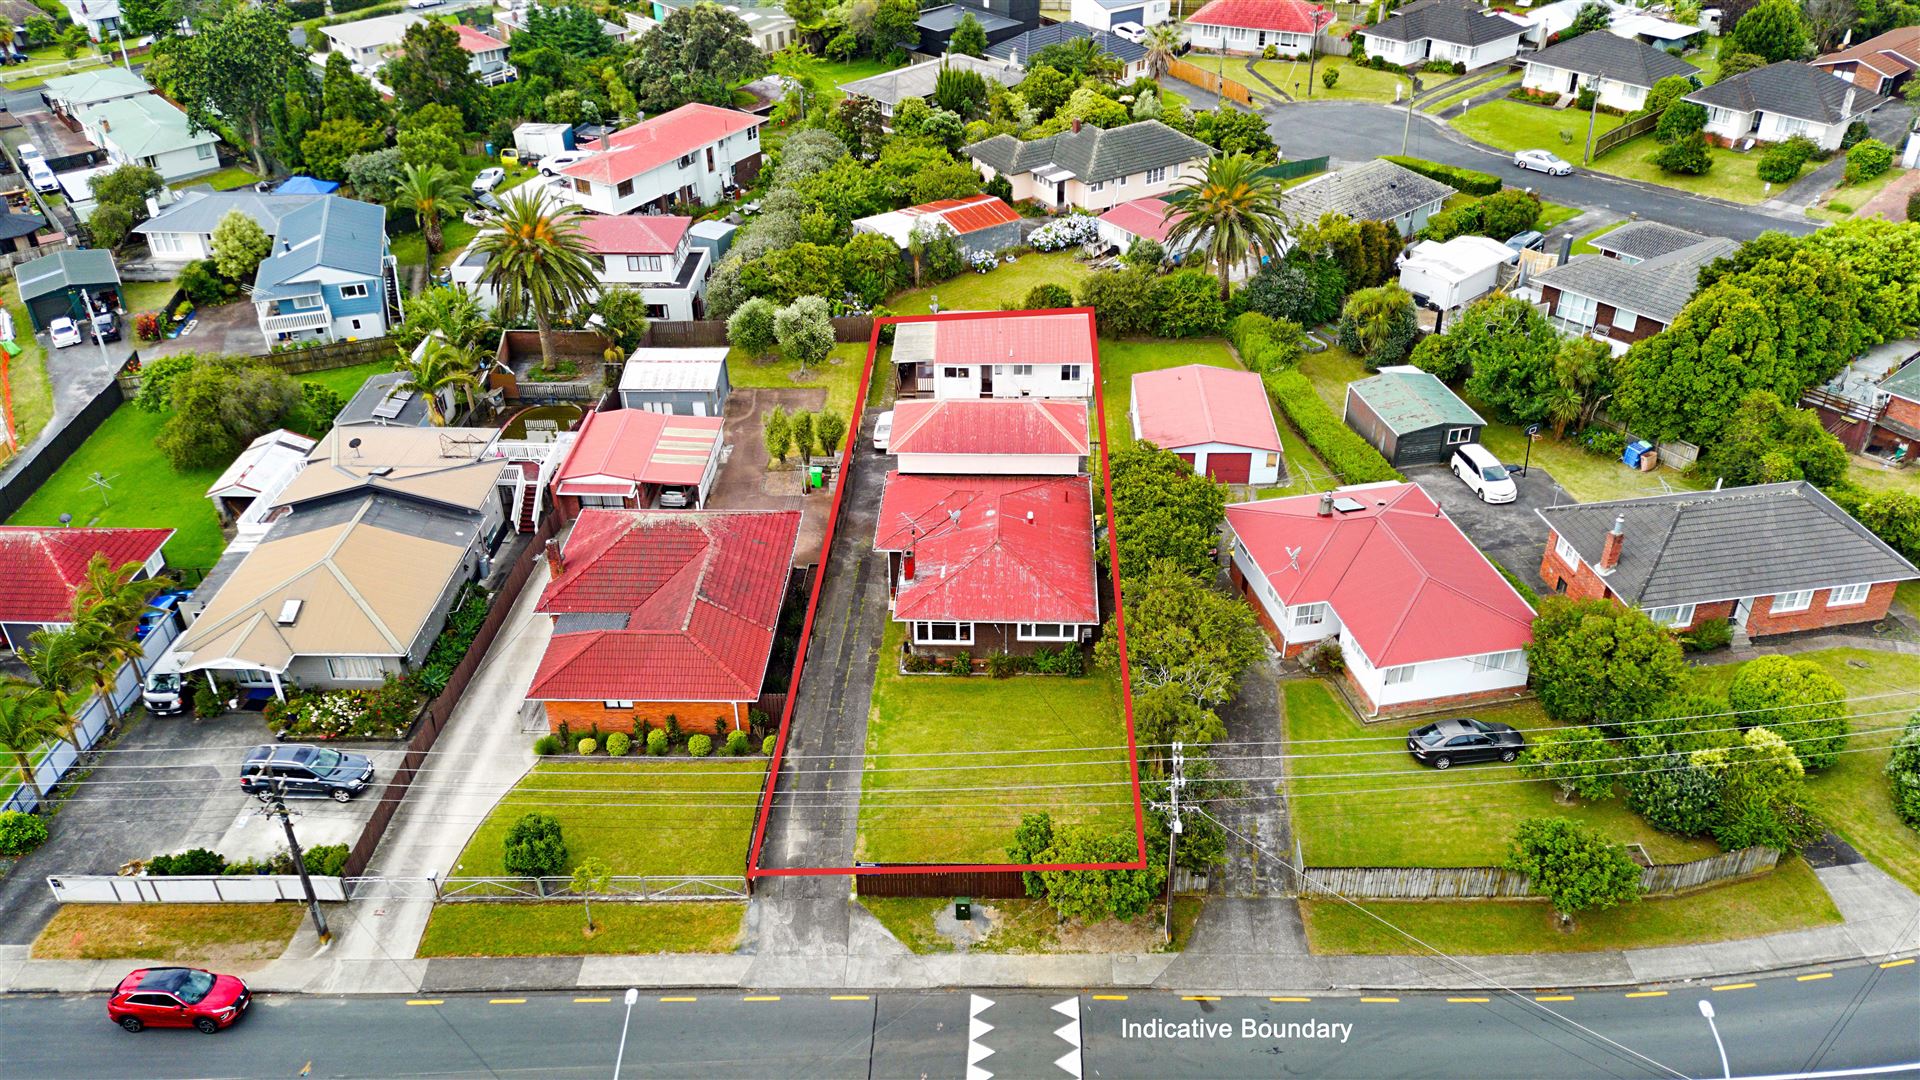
[
  {"x": 138, "y": 296},
  {"x": 1354, "y": 83},
  {"x": 1055, "y": 744},
  {"x": 1359, "y": 799},
  {"x": 1030, "y": 927},
  {"x": 1587, "y": 477},
  {"x": 559, "y": 929},
  {"x": 1002, "y": 287},
  {"x": 206, "y": 934},
  {"x": 1514, "y": 125},
  {"x": 346, "y": 381},
  {"x": 1732, "y": 176},
  {"x": 1443, "y": 104},
  {"x": 1845, "y": 200},
  {"x": 226, "y": 179},
  {"x": 641, "y": 816},
  {"x": 839, "y": 376},
  {"x": 1790, "y": 898}
]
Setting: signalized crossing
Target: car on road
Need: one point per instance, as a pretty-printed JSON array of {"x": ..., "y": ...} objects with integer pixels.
[
  {"x": 883, "y": 431},
  {"x": 178, "y": 997},
  {"x": 419, "y": 4},
  {"x": 553, "y": 163},
  {"x": 64, "y": 332},
  {"x": 1483, "y": 474},
  {"x": 301, "y": 771},
  {"x": 1446, "y": 743},
  {"x": 1543, "y": 161},
  {"x": 488, "y": 179}
]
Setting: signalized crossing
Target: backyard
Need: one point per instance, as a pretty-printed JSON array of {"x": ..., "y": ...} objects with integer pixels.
[
  {"x": 839, "y": 376},
  {"x": 1005, "y": 285},
  {"x": 559, "y": 929},
  {"x": 27, "y": 375}
]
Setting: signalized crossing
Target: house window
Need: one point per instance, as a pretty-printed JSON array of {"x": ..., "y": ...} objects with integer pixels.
[
  {"x": 1673, "y": 615},
  {"x": 1309, "y": 615},
  {"x": 1023, "y": 369},
  {"x": 643, "y": 262},
  {"x": 584, "y": 187},
  {"x": 1625, "y": 321},
  {"x": 1047, "y": 631},
  {"x": 1847, "y": 595},
  {"x": 203, "y": 151},
  {"x": 943, "y": 633},
  {"x": 1400, "y": 676},
  {"x": 1511, "y": 660},
  {"x": 353, "y": 292},
  {"x": 1789, "y": 126},
  {"x": 753, "y": 134},
  {"x": 686, "y": 160},
  {"x": 1155, "y": 176},
  {"x": 1069, "y": 372},
  {"x": 1458, "y": 435},
  {"x": 613, "y": 703},
  {"x": 625, "y": 188},
  {"x": 355, "y": 668},
  {"x": 1576, "y": 309},
  {"x": 1096, "y": 185},
  {"x": 1792, "y": 601},
  {"x": 1273, "y": 461},
  {"x": 1566, "y": 551},
  {"x": 353, "y": 324},
  {"x": 956, "y": 373},
  {"x": 603, "y": 500}
]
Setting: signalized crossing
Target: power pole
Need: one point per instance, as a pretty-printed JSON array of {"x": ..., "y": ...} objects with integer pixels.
[
  {"x": 1174, "y": 828},
  {"x": 1407, "y": 131},
  {"x": 1593, "y": 118},
  {"x": 277, "y": 806}
]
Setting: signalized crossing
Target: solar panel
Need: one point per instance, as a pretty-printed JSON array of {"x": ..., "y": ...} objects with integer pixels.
[{"x": 391, "y": 405}]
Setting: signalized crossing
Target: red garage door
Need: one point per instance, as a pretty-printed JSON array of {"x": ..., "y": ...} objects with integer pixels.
[
  {"x": 1188, "y": 458},
  {"x": 1230, "y": 468}
]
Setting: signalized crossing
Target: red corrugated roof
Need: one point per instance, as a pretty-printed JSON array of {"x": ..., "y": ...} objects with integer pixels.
[
  {"x": 967, "y": 215},
  {"x": 989, "y": 426},
  {"x": 1290, "y": 16},
  {"x": 633, "y": 234},
  {"x": 1014, "y": 339},
  {"x": 1195, "y": 404},
  {"x": 650, "y": 144},
  {"x": 476, "y": 42},
  {"x": 979, "y": 557},
  {"x": 640, "y": 446},
  {"x": 41, "y": 567},
  {"x": 1402, "y": 578},
  {"x": 700, "y": 592},
  {"x": 1143, "y": 217}
]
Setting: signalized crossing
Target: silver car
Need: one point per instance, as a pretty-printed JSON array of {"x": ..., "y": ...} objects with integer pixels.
[{"x": 1542, "y": 161}]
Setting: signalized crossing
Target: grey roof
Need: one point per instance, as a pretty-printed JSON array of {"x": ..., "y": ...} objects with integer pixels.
[
  {"x": 1790, "y": 89},
  {"x": 1657, "y": 288},
  {"x": 331, "y": 232},
  {"x": 1698, "y": 546},
  {"x": 916, "y": 80},
  {"x": 1407, "y": 399},
  {"x": 1019, "y": 48},
  {"x": 1627, "y": 60},
  {"x": 200, "y": 211},
  {"x": 1645, "y": 239},
  {"x": 1459, "y": 22},
  {"x": 65, "y": 269},
  {"x": 1094, "y": 154},
  {"x": 947, "y": 17},
  {"x": 1372, "y": 191},
  {"x": 359, "y": 408},
  {"x": 14, "y": 225}
]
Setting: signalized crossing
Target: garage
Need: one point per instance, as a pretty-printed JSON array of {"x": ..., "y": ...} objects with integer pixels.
[
  {"x": 1188, "y": 458},
  {"x": 53, "y": 286},
  {"x": 1230, "y": 468}
]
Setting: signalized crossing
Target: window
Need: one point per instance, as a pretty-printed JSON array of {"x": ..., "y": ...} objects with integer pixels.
[
  {"x": 1792, "y": 601},
  {"x": 1400, "y": 676},
  {"x": 1273, "y": 461},
  {"x": 1096, "y": 185},
  {"x": 1672, "y": 615},
  {"x": 1792, "y": 125},
  {"x": 1046, "y": 631},
  {"x": 1847, "y": 595},
  {"x": 353, "y": 292},
  {"x": 353, "y": 324},
  {"x": 603, "y": 500},
  {"x": 1566, "y": 552},
  {"x": 942, "y": 633},
  {"x": 1309, "y": 614},
  {"x": 584, "y": 187},
  {"x": 1155, "y": 176},
  {"x": 643, "y": 262},
  {"x": 1625, "y": 321},
  {"x": 1719, "y": 117},
  {"x": 1023, "y": 369},
  {"x": 616, "y": 704},
  {"x": 1069, "y": 372},
  {"x": 624, "y": 187},
  {"x": 753, "y": 134},
  {"x": 956, "y": 373},
  {"x": 1511, "y": 660},
  {"x": 356, "y": 668},
  {"x": 709, "y": 159},
  {"x": 1458, "y": 435},
  {"x": 686, "y": 160},
  {"x": 203, "y": 151},
  {"x": 1576, "y": 309}
]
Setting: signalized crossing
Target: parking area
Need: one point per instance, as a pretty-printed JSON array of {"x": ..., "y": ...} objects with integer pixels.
[
  {"x": 1511, "y": 534},
  {"x": 745, "y": 482},
  {"x": 232, "y": 329}
]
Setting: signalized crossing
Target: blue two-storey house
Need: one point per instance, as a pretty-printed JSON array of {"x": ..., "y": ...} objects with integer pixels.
[{"x": 330, "y": 277}]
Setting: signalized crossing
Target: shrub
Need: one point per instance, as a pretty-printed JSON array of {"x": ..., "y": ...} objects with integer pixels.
[
  {"x": 587, "y": 745},
  {"x": 1065, "y": 660},
  {"x": 700, "y": 745},
  {"x": 327, "y": 860},
  {"x": 767, "y": 744},
  {"x": 737, "y": 743},
  {"x": 547, "y": 745},
  {"x": 1003, "y": 665},
  {"x": 1186, "y": 303},
  {"x": 1379, "y": 324},
  {"x": 146, "y": 326},
  {"x": 1463, "y": 180},
  {"x": 1687, "y": 155},
  {"x": 192, "y": 861},
  {"x": 1325, "y": 657},
  {"x": 1271, "y": 52},
  {"x": 534, "y": 846},
  {"x": 1868, "y": 159},
  {"x": 1855, "y": 134},
  {"x": 1673, "y": 795},
  {"x": 21, "y": 833},
  {"x": 456, "y": 637},
  {"x": 1574, "y": 866},
  {"x": 1351, "y": 457},
  {"x": 1796, "y": 698},
  {"x": 1681, "y": 119},
  {"x": 656, "y": 742},
  {"x": 1913, "y": 206},
  {"x": 1267, "y": 344},
  {"x": 1122, "y": 301},
  {"x": 961, "y": 663},
  {"x": 618, "y": 744},
  {"x": 1903, "y": 774},
  {"x": 1708, "y": 636},
  {"x": 385, "y": 712},
  {"x": 1437, "y": 355},
  {"x": 1603, "y": 442},
  {"x": 1783, "y": 161},
  {"x": 1329, "y": 77},
  {"x": 1046, "y": 297}
]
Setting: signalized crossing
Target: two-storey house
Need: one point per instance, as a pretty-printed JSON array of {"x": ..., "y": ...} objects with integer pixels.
[
  {"x": 488, "y": 56},
  {"x": 649, "y": 252},
  {"x": 1621, "y": 302},
  {"x": 147, "y": 130},
  {"x": 330, "y": 276},
  {"x": 689, "y": 156}
]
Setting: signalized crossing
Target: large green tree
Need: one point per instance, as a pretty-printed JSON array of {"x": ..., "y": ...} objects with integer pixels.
[
  {"x": 233, "y": 69},
  {"x": 570, "y": 27},
  {"x": 697, "y": 53},
  {"x": 1509, "y": 348},
  {"x": 1231, "y": 212},
  {"x": 25, "y": 723},
  {"x": 345, "y": 94},
  {"x": 1574, "y": 866},
  {"x": 433, "y": 68},
  {"x": 1767, "y": 441},
  {"x": 537, "y": 262},
  {"x": 1796, "y": 698},
  {"x": 440, "y": 370},
  {"x": 1596, "y": 662},
  {"x": 1774, "y": 29},
  {"x": 1183, "y": 633},
  {"x": 1163, "y": 510},
  {"x": 969, "y": 37},
  {"x": 239, "y": 245}
]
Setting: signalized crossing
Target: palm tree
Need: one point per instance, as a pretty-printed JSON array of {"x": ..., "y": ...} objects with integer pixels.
[
  {"x": 536, "y": 262},
  {"x": 106, "y": 612},
  {"x": 1161, "y": 41},
  {"x": 118, "y": 592},
  {"x": 1230, "y": 211},
  {"x": 104, "y": 646},
  {"x": 25, "y": 723},
  {"x": 431, "y": 191},
  {"x": 55, "y": 660},
  {"x": 439, "y": 368}
]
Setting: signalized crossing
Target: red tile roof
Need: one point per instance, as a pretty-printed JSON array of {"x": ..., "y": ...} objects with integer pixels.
[
  {"x": 639, "y": 447},
  {"x": 1143, "y": 217},
  {"x": 699, "y": 593},
  {"x": 989, "y": 426},
  {"x": 1290, "y": 16},
  {"x": 633, "y": 234},
  {"x": 967, "y": 215},
  {"x": 1195, "y": 404},
  {"x": 41, "y": 567},
  {"x": 1890, "y": 54},
  {"x": 650, "y": 144},
  {"x": 1401, "y": 577},
  {"x": 1014, "y": 339},
  {"x": 476, "y": 42},
  {"x": 980, "y": 557}
]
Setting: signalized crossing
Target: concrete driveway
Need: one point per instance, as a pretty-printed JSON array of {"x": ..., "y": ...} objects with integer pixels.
[
  {"x": 230, "y": 329},
  {"x": 745, "y": 482},
  {"x": 1510, "y": 534}
]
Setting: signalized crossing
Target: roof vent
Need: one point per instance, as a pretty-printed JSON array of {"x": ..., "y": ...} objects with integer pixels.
[
  {"x": 383, "y": 470},
  {"x": 289, "y": 612}
]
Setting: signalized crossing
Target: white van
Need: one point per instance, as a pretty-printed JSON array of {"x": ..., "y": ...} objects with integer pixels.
[{"x": 1483, "y": 474}]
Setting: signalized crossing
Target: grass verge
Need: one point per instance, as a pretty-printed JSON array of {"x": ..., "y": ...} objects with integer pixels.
[
  {"x": 1031, "y": 927},
  {"x": 910, "y": 919},
  {"x": 27, "y": 377},
  {"x": 559, "y": 929},
  {"x": 210, "y": 934},
  {"x": 1584, "y": 245}
]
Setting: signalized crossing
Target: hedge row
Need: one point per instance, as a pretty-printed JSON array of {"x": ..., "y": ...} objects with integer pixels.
[
  {"x": 1463, "y": 180},
  {"x": 1351, "y": 457}
]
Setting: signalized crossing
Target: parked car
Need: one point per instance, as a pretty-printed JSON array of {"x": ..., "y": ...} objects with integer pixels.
[
  {"x": 675, "y": 499},
  {"x": 484, "y": 206},
  {"x": 553, "y": 163},
  {"x": 178, "y": 997},
  {"x": 488, "y": 179},
  {"x": 300, "y": 771},
  {"x": 1483, "y": 474},
  {"x": 1445, "y": 743},
  {"x": 64, "y": 332},
  {"x": 164, "y": 694},
  {"x": 106, "y": 326},
  {"x": 419, "y": 4},
  {"x": 1542, "y": 161},
  {"x": 1531, "y": 240},
  {"x": 883, "y": 431},
  {"x": 159, "y": 610},
  {"x": 1132, "y": 31}
]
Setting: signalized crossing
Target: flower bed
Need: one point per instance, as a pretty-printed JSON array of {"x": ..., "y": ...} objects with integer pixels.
[
  {"x": 385, "y": 712},
  {"x": 1065, "y": 232}
]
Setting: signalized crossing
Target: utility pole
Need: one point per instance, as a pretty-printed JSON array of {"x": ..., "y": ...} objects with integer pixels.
[
  {"x": 1174, "y": 828},
  {"x": 1407, "y": 131},
  {"x": 1593, "y": 118},
  {"x": 277, "y": 806}
]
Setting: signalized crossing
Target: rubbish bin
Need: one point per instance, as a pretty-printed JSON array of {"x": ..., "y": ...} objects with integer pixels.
[
  {"x": 1631, "y": 456},
  {"x": 816, "y": 476},
  {"x": 1649, "y": 460},
  {"x": 963, "y": 908}
]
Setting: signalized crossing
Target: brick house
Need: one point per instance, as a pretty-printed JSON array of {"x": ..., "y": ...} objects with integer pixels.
[
  {"x": 1422, "y": 618},
  {"x": 1770, "y": 559},
  {"x": 663, "y": 614},
  {"x": 1620, "y": 301},
  {"x": 1881, "y": 63},
  {"x": 1873, "y": 404}
]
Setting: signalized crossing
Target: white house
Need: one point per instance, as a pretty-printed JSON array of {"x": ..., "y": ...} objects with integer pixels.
[
  {"x": 1092, "y": 168},
  {"x": 990, "y": 436},
  {"x": 1776, "y": 102},
  {"x": 769, "y": 26},
  {"x": 1376, "y": 190},
  {"x": 367, "y": 43},
  {"x": 1249, "y": 26},
  {"x": 1620, "y": 70},
  {"x": 1010, "y": 355},
  {"x": 1215, "y": 419},
  {"x": 648, "y": 252},
  {"x": 1421, "y": 617},
  {"x": 182, "y": 231},
  {"x": 689, "y": 156},
  {"x": 68, "y": 94},
  {"x": 146, "y": 130},
  {"x": 99, "y": 18},
  {"x": 1453, "y": 31},
  {"x": 1105, "y": 14},
  {"x": 1455, "y": 273}
]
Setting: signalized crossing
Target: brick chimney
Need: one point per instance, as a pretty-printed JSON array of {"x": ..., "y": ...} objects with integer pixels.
[
  {"x": 555, "y": 563},
  {"x": 1076, "y": 125},
  {"x": 906, "y": 566},
  {"x": 1610, "y": 551}
]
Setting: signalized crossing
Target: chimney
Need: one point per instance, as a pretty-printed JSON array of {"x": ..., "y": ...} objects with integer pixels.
[
  {"x": 1610, "y": 551},
  {"x": 906, "y": 566},
  {"x": 555, "y": 563},
  {"x": 1326, "y": 504},
  {"x": 1076, "y": 125},
  {"x": 1029, "y": 517},
  {"x": 1846, "y": 105}
]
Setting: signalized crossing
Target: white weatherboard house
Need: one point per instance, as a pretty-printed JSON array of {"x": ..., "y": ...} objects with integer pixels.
[
  {"x": 367, "y": 43},
  {"x": 183, "y": 232},
  {"x": 990, "y": 437},
  {"x": 1249, "y": 27},
  {"x": 1092, "y": 168},
  {"x": 1776, "y": 102},
  {"x": 1454, "y": 31},
  {"x": 1619, "y": 70},
  {"x": 1104, "y": 14},
  {"x": 1012, "y": 355},
  {"x": 691, "y": 155},
  {"x": 146, "y": 130}
]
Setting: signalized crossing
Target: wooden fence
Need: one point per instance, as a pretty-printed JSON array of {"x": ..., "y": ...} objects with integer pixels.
[
  {"x": 328, "y": 357},
  {"x": 1492, "y": 882},
  {"x": 980, "y": 884},
  {"x": 1212, "y": 82},
  {"x": 1632, "y": 129},
  {"x": 712, "y": 333}
]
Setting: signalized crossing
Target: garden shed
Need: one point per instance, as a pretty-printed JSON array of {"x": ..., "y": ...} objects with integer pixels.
[
  {"x": 51, "y": 286},
  {"x": 1410, "y": 416}
]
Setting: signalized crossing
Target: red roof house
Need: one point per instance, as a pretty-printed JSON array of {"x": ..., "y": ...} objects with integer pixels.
[
  {"x": 688, "y": 155},
  {"x": 476, "y": 42},
  {"x": 659, "y": 614},
  {"x": 1138, "y": 219},
  {"x": 990, "y": 563},
  {"x": 1216, "y": 419},
  {"x": 637, "y": 459},
  {"x": 1421, "y": 617},
  {"x": 633, "y": 234},
  {"x": 1249, "y": 26},
  {"x": 42, "y": 567},
  {"x": 1015, "y": 354},
  {"x": 1001, "y": 436}
]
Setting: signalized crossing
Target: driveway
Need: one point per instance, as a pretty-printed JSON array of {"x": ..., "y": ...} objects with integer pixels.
[
  {"x": 1511, "y": 534},
  {"x": 745, "y": 482},
  {"x": 230, "y": 329}
]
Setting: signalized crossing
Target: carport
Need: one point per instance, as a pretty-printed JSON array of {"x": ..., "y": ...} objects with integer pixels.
[{"x": 57, "y": 286}]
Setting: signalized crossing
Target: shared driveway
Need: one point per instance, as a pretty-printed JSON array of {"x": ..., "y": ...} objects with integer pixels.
[{"x": 1511, "y": 534}]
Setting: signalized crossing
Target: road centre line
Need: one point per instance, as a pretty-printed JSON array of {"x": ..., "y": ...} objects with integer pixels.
[
  {"x": 1647, "y": 993},
  {"x": 1379, "y": 1000},
  {"x": 1468, "y": 1001},
  {"x": 679, "y": 999},
  {"x": 592, "y": 1001},
  {"x": 425, "y": 1001}
]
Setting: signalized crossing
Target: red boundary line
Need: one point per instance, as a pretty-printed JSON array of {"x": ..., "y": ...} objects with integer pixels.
[{"x": 754, "y": 869}]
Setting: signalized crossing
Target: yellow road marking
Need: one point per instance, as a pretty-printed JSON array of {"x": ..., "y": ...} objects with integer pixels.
[
  {"x": 1553, "y": 997},
  {"x": 1467, "y": 1001},
  {"x": 1109, "y": 997},
  {"x": 592, "y": 1001},
  {"x": 1898, "y": 963},
  {"x": 1810, "y": 978},
  {"x": 506, "y": 1001},
  {"x": 1734, "y": 986},
  {"x": 679, "y": 999},
  {"x": 1378, "y": 1001},
  {"x": 1198, "y": 997},
  {"x": 848, "y": 997},
  {"x": 764, "y": 997},
  {"x": 425, "y": 1001},
  {"x": 1647, "y": 993},
  {"x": 1289, "y": 999}
]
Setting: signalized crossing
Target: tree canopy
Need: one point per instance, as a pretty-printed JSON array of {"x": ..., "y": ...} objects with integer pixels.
[
  {"x": 1164, "y": 510},
  {"x": 1597, "y": 662},
  {"x": 697, "y": 53}
]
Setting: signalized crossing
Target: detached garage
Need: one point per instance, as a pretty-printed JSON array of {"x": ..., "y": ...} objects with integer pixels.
[
  {"x": 1410, "y": 416},
  {"x": 52, "y": 286},
  {"x": 1216, "y": 419}
]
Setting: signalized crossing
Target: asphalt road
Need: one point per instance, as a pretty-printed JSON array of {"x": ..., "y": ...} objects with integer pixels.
[{"x": 1859, "y": 1017}]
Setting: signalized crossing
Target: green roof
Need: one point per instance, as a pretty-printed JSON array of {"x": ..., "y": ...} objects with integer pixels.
[
  {"x": 63, "y": 269},
  {"x": 144, "y": 127},
  {"x": 1905, "y": 382},
  {"x": 1407, "y": 399}
]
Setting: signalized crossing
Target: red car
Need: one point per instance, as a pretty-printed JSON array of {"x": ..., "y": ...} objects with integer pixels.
[{"x": 178, "y": 997}]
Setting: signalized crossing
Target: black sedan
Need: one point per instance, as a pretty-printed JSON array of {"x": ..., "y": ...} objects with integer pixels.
[{"x": 1443, "y": 743}]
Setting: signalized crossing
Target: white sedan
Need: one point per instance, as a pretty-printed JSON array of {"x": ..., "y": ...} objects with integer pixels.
[
  {"x": 553, "y": 163},
  {"x": 64, "y": 332},
  {"x": 883, "y": 431},
  {"x": 1542, "y": 161},
  {"x": 488, "y": 179}
]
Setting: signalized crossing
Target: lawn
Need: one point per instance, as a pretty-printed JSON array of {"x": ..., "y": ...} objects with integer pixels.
[
  {"x": 1790, "y": 898},
  {"x": 1360, "y": 800},
  {"x": 559, "y": 929},
  {"x": 226, "y": 179},
  {"x": 1514, "y": 125},
  {"x": 828, "y": 76},
  {"x": 1330, "y": 370},
  {"x": 410, "y": 248},
  {"x": 1587, "y": 477},
  {"x": 839, "y": 376},
  {"x": 1026, "y": 728},
  {"x": 1031, "y": 927},
  {"x": 211, "y": 934},
  {"x": 996, "y": 289},
  {"x": 27, "y": 376},
  {"x": 1732, "y": 176},
  {"x": 1584, "y": 245},
  {"x": 346, "y": 381},
  {"x": 1498, "y": 85},
  {"x": 138, "y": 296},
  {"x": 1845, "y": 200},
  {"x": 1354, "y": 83},
  {"x": 1120, "y": 361}
]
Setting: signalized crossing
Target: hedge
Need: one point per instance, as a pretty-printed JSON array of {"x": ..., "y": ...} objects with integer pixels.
[
  {"x": 1464, "y": 180},
  {"x": 1351, "y": 457}
]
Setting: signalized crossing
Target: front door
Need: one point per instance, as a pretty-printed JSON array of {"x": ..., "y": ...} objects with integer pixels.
[
  {"x": 1742, "y": 608},
  {"x": 1060, "y": 193}
]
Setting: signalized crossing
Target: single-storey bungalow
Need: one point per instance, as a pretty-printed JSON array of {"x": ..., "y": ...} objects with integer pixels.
[
  {"x": 1776, "y": 102},
  {"x": 638, "y": 460},
  {"x": 44, "y": 566},
  {"x": 1454, "y": 31},
  {"x": 686, "y": 382},
  {"x": 1376, "y": 190},
  {"x": 1638, "y": 241},
  {"x": 1010, "y": 355},
  {"x": 1410, "y": 416},
  {"x": 1131, "y": 54},
  {"x": 182, "y": 231},
  {"x": 1216, "y": 419},
  {"x": 1882, "y": 63},
  {"x": 990, "y": 436},
  {"x": 148, "y": 130},
  {"x": 1619, "y": 70},
  {"x": 1089, "y": 167},
  {"x": 1250, "y": 27}
]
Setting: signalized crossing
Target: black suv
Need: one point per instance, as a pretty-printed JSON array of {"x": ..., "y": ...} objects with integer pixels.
[
  {"x": 305, "y": 772},
  {"x": 1445, "y": 742}
]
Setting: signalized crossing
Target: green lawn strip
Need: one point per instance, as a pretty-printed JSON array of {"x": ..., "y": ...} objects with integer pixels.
[
  {"x": 1852, "y": 795},
  {"x": 1846, "y": 200},
  {"x": 1026, "y": 926},
  {"x": 1587, "y": 477},
  {"x": 1515, "y": 125},
  {"x": 972, "y": 718},
  {"x": 1584, "y": 245},
  {"x": 1344, "y": 819},
  {"x": 27, "y": 374},
  {"x": 139, "y": 296},
  {"x": 559, "y": 929},
  {"x": 839, "y": 376},
  {"x": 1790, "y": 898},
  {"x": 910, "y": 919},
  {"x": 146, "y": 491},
  {"x": 410, "y": 248},
  {"x": 206, "y": 933},
  {"x": 1121, "y": 360},
  {"x": 1448, "y": 102},
  {"x": 1907, "y": 595},
  {"x": 1003, "y": 286},
  {"x": 1554, "y": 214},
  {"x": 346, "y": 381},
  {"x": 225, "y": 179},
  {"x": 1354, "y": 83},
  {"x": 625, "y": 813},
  {"x": 1330, "y": 370},
  {"x": 1732, "y": 176}
]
